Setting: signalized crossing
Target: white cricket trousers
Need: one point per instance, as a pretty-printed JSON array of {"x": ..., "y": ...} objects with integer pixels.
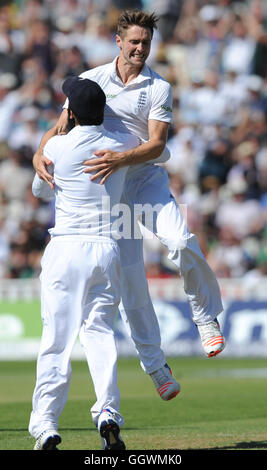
[
  {"x": 80, "y": 293},
  {"x": 150, "y": 186}
]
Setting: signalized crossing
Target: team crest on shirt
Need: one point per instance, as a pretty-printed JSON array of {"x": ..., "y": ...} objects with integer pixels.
[{"x": 142, "y": 99}]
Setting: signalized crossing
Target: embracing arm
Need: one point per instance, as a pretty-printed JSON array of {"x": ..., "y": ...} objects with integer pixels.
[
  {"x": 40, "y": 162},
  {"x": 109, "y": 161},
  {"x": 41, "y": 190},
  {"x": 153, "y": 148}
]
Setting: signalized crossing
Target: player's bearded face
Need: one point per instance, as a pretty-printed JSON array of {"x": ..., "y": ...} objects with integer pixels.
[{"x": 135, "y": 45}]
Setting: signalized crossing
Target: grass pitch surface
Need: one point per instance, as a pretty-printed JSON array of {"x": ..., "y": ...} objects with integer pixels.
[{"x": 222, "y": 405}]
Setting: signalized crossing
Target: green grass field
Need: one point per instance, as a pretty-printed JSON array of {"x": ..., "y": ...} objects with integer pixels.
[{"x": 222, "y": 405}]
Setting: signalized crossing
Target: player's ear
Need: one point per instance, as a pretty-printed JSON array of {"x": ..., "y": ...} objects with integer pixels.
[{"x": 118, "y": 40}]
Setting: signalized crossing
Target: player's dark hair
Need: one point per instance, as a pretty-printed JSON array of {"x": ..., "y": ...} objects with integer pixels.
[
  {"x": 71, "y": 121},
  {"x": 84, "y": 122},
  {"x": 136, "y": 18},
  {"x": 90, "y": 122}
]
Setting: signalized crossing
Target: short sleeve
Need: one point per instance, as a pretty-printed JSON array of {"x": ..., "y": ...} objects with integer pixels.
[
  {"x": 161, "y": 106},
  {"x": 41, "y": 189}
]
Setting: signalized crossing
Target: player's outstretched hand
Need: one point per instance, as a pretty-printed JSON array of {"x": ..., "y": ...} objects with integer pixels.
[
  {"x": 40, "y": 163},
  {"x": 106, "y": 163}
]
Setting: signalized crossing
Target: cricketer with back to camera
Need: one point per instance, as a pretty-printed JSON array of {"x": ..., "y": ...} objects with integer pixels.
[{"x": 81, "y": 273}]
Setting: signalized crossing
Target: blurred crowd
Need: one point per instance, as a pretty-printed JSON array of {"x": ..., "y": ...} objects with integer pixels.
[{"x": 214, "y": 54}]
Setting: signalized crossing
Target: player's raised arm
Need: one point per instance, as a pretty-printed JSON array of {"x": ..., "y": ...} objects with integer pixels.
[
  {"x": 40, "y": 162},
  {"x": 109, "y": 161}
]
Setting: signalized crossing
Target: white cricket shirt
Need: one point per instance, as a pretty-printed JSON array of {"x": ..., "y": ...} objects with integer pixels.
[
  {"x": 83, "y": 207},
  {"x": 130, "y": 107}
]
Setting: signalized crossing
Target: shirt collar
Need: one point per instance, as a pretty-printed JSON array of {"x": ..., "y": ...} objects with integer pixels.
[
  {"x": 141, "y": 77},
  {"x": 90, "y": 129}
]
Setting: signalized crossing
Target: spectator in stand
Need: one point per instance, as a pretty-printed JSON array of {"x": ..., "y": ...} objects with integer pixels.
[
  {"x": 183, "y": 157},
  {"x": 227, "y": 257},
  {"x": 256, "y": 98},
  {"x": 239, "y": 50},
  {"x": 9, "y": 101},
  {"x": 243, "y": 216},
  {"x": 257, "y": 27},
  {"x": 6, "y": 44},
  {"x": 26, "y": 131},
  {"x": 14, "y": 169},
  {"x": 259, "y": 271},
  {"x": 101, "y": 47},
  {"x": 216, "y": 164},
  {"x": 39, "y": 45},
  {"x": 244, "y": 167},
  {"x": 168, "y": 12}
]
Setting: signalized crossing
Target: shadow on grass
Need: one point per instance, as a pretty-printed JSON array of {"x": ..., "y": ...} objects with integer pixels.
[
  {"x": 61, "y": 429},
  {"x": 240, "y": 446},
  {"x": 257, "y": 445}
]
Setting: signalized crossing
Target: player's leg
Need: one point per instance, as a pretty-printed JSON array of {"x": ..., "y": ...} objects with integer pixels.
[
  {"x": 61, "y": 291},
  {"x": 169, "y": 225},
  {"x": 140, "y": 319},
  {"x": 100, "y": 306},
  {"x": 136, "y": 308}
]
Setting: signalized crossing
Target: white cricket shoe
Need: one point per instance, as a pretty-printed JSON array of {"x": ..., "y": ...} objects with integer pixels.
[
  {"x": 211, "y": 337},
  {"x": 48, "y": 440},
  {"x": 166, "y": 385},
  {"x": 109, "y": 431}
]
